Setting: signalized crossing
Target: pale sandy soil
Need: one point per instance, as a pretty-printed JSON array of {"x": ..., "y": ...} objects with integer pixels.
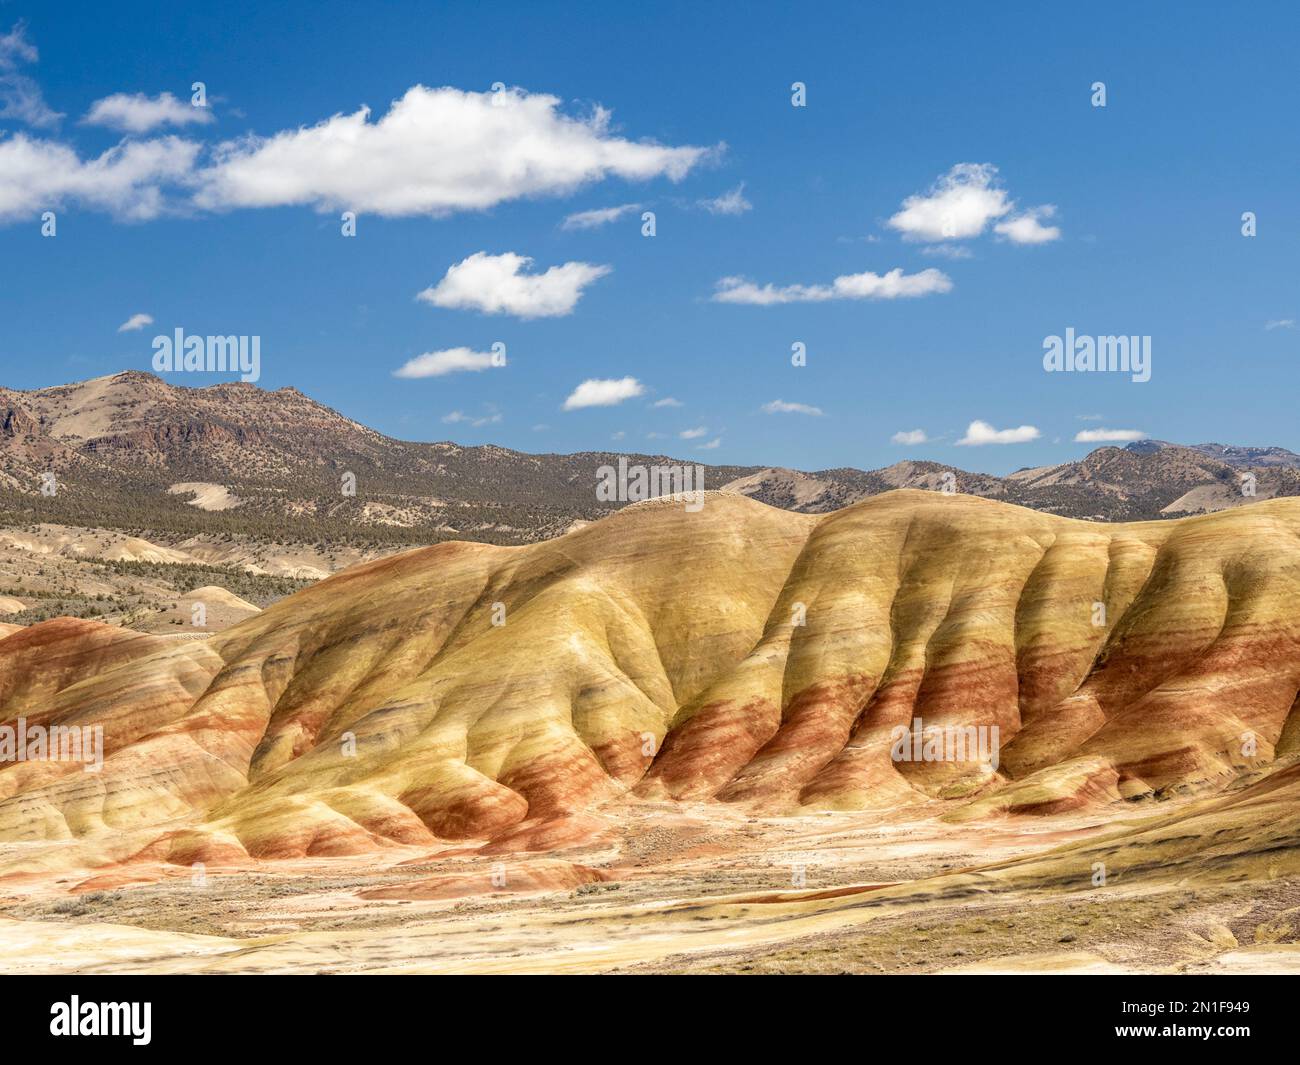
[
  {"x": 41, "y": 563},
  {"x": 64, "y": 542},
  {"x": 1205, "y": 498},
  {"x": 219, "y": 610},
  {"x": 679, "y": 890},
  {"x": 206, "y": 496},
  {"x": 61, "y": 544}
]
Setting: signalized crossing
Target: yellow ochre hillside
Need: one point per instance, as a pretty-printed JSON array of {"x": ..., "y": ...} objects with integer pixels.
[{"x": 737, "y": 654}]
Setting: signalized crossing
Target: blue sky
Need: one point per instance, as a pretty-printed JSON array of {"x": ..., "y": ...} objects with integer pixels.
[{"x": 1117, "y": 220}]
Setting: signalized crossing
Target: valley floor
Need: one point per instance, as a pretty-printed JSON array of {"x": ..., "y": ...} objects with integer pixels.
[{"x": 661, "y": 888}]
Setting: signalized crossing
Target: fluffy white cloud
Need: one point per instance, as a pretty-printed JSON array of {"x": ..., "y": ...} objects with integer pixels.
[
  {"x": 962, "y": 204},
  {"x": 780, "y": 406},
  {"x": 603, "y": 392},
  {"x": 1280, "y": 323},
  {"x": 138, "y": 113},
  {"x": 959, "y": 205},
  {"x": 732, "y": 202},
  {"x": 979, "y": 433},
  {"x": 864, "y": 286},
  {"x": 712, "y": 445},
  {"x": 451, "y": 360},
  {"x": 909, "y": 436},
  {"x": 1108, "y": 436},
  {"x": 20, "y": 97},
  {"x": 667, "y": 401},
  {"x": 434, "y": 152},
  {"x": 136, "y": 321},
  {"x": 1027, "y": 227},
  {"x": 601, "y": 216},
  {"x": 127, "y": 180},
  {"x": 495, "y": 284},
  {"x": 694, "y": 434}
]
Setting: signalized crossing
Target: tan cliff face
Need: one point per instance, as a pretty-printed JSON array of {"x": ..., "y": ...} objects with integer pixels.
[{"x": 739, "y": 654}]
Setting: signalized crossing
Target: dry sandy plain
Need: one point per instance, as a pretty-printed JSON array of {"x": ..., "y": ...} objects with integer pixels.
[{"x": 670, "y": 890}]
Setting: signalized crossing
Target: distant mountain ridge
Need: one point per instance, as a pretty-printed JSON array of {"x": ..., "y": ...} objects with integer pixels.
[
  {"x": 1241, "y": 457},
  {"x": 131, "y": 451}
]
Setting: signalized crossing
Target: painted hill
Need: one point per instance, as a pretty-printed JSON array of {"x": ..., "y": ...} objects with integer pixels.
[{"x": 739, "y": 654}]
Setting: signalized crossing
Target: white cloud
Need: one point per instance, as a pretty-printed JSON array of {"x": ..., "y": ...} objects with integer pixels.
[
  {"x": 126, "y": 180},
  {"x": 452, "y": 360},
  {"x": 477, "y": 421},
  {"x": 712, "y": 445},
  {"x": 979, "y": 433},
  {"x": 20, "y": 97},
  {"x": 732, "y": 202},
  {"x": 1105, "y": 436},
  {"x": 603, "y": 392},
  {"x": 1280, "y": 323},
  {"x": 599, "y": 217},
  {"x": 780, "y": 406},
  {"x": 893, "y": 285},
  {"x": 962, "y": 204},
  {"x": 618, "y": 435},
  {"x": 436, "y": 151},
  {"x": 959, "y": 205},
  {"x": 947, "y": 251},
  {"x": 39, "y": 174},
  {"x": 1027, "y": 227},
  {"x": 21, "y": 101},
  {"x": 136, "y": 321},
  {"x": 138, "y": 113},
  {"x": 494, "y": 284},
  {"x": 694, "y": 434},
  {"x": 909, "y": 436},
  {"x": 667, "y": 401},
  {"x": 15, "y": 48}
]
